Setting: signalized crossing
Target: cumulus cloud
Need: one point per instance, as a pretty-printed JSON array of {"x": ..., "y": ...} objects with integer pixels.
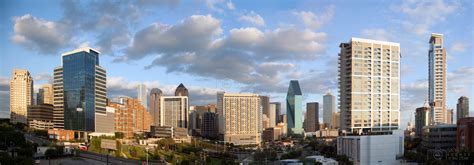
[
  {"x": 256, "y": 59},
  {"x": 230, "y": 5},
  {"x": 40, "y": 35},
  {"x": 314, "y": 21},
  {"x": 253, "y": 18},
  {"x": 120, "y": 86},
  {"x": 421, "y": 15},
  {"x": 461, "y": 81}
]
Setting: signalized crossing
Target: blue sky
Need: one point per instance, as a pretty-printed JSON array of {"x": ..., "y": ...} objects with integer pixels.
[{"x": 238, "y": 46}]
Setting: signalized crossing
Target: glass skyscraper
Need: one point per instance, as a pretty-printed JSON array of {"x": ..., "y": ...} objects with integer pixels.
[
  {"x": 294, "y": 108},
  {"x": 80, "y": 90}
]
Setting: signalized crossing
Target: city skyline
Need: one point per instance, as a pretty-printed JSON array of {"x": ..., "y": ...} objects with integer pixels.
[{"x": 267, "y": 72}]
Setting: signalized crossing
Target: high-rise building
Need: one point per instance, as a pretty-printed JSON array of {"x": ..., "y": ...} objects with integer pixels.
[
  {"x": 369, "y": 83},
  {"x": 45, "y": 94},
  {"x": 174, "y": 111},
  {"x": 311, "y": 119},
  {"x": 181, "y": 90},
  {"x": 40, "y": 116},
  {"x": 272, "y": 114},
  {"x": 79, "y": 90},
  {"x": 220, "y": 112},
  {"x": 155, "y": 104},
  {"x": 294, "y": 106},
  {"x": 336, "y": 120},
  {"x": 242, "y": 116},
  {"x": 21, "y": 95},
  {"x": 449, "y": 116},
  {"x": 130, "y": 116},
  {"x": 329, "y": 107},
  {"x": 209, "y": 125},
  {"x": 422, "y": 119},
  {"x": 462, "y": 108},
  {"x": 265, "y": 103},
  {"x": 437, "y": 79},
  {"x": 142, "y": 95},
  {"x": 276, "y": 107}
]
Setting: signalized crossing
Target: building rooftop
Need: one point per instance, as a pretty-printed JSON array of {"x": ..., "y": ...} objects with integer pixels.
[{"x": 83, "y": 49}]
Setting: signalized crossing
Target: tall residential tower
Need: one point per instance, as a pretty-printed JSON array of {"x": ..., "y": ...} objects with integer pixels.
[
  {"x": 369, "y": 83},
  {"x": 21, "y": 95},
  {"x": 437, "y": 79}
]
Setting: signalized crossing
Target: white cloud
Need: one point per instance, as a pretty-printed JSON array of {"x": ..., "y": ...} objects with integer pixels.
[
  {"x": 421, "y": 15},
  {"x": 377, "y": 33},
  {"x": 458, "y": 47},
  {"x": 230, "y": 5},
  {"x": 253, "y": 18},
  {"x": 314, "y": 21},
  {"x": 36, "y": 34}
]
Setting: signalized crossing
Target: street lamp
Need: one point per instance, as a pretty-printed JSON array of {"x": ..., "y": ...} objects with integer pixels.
[{"x": 146, "y": 148}]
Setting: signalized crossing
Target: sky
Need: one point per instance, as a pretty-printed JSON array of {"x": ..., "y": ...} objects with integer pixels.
[{"x": 236, "y": 46}]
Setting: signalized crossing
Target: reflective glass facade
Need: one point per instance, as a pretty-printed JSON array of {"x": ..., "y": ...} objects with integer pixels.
[{"x": 294, "y": 107}]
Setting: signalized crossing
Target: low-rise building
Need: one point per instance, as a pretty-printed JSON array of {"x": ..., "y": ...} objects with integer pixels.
[
  {"x": 465, "y": 134},
  {"x": 372, "y": 149},
  {"x": 66, "y": 135},
  {"x": 271, "y": 134},
  {"x": 439, "y": 137},
  {"x": 40, "y": 116}
]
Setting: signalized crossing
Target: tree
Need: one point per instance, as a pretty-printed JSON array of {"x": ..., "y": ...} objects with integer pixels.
[
  {"x": 51, "y": 153},
  {"x": 119, "y": 135}
]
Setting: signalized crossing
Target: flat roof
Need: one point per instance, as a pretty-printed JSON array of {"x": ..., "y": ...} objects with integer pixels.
[
  {"x": 375, "y": 41},
  {"x": 83, "y": 49}
]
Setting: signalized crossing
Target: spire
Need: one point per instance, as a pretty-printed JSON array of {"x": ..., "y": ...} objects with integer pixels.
[{"x": 181, "y": 90}]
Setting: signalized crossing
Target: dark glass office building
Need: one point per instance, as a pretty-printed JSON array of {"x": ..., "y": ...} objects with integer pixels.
[{"x": 83, "y": 89}]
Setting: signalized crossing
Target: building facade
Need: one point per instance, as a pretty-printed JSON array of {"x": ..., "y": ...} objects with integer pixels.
[
  {"x": 21, "y": 95},
  {"x": 242, "y": 115},
  {"x": 130, "y": 116},
  {"x": 372, "y": 149},
  {"x": 462, "y": 108},
  {"x": 465, "y": 134},
  {"x": 437, "y": 79},
  {"x": 294, "y": 108},
  {"x": 142, "y": 95},
  {"x": 422, "y": 119},
  {"x": 369, "y": 83},
  {"x": 174, "y": 111},
  {"x": 439, "y": 137},
  {"x": 311, "y": 119},
  {"x": 155, "y": 105},
  {"x": 45, "y": 94},
  {"x": 265, "y": 103},
  {"x": 276, "y": 107},
  {"x": 40, "y": 116},
  {"x": 79, "y": 90},
  {"x": 329, "y": 108},
  {"x": 105, "y": 123},
  {"x": 209, "y": 127}
]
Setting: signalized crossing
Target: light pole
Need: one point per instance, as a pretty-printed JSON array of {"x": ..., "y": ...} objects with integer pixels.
[{"x": 146, "y": 148}]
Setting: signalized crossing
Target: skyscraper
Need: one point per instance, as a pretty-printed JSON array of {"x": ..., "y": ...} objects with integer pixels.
[
  {"x": 174, "y": 111},
  {"x": 311, "y": 119},
  {"x": 422, "y": 119},
  {"x": 462, "y": 108},
  {"x": 79, "y": 90},
  {"x": 242, "y": 116},
  {"x": 45, "y": 94},
  {"x": 294, "y": 107},
  {"x": 276, "y": 107},
  {"x": 369, "y": 83},
  {"x": 329, "y": 108},
  {"x": 181, "y": 91},
  {"x": 21, "y": 95},
  {"x": 155, "y": 104},
  {"x": 437, "y": 79},
  {"x": 142, "y": 95},
  {"x": 220, "y": 112},
  {"x": 265, "y": 103}
]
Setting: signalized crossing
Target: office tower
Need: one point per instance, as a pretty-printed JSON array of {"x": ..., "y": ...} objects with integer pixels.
[
  {"x": 45, "y": 94},
  {"x": 174, "y": 111},
  {"x": 21, "y": 95},
  {"x": 437, "y": 79},
  {"x": 422, "y": 119},
  {"x": 79, "y": 90},
  {"x": 130, "y": 116},
  {"x": 209, "y": 123},
  {"x": 336, "y": 116},
  {"x": 369, "y": 83},
  {"x": 242, "y": 116},
  {"x": 142, "y": 95},
  {"x": 272, "y": 115},
  {"x": 311, "y": 119},
  {"x": 294, "y": 108},
  {"x": 40, "y": 116},
  {"x": 220, "y": 112},
  {"x": 449, "y": 116},
  {"x": 462, "y": 108},
  {"x": 105, "y": 123},
  {"x": 265, "y": 103},
  {"x": 155, "y": 95},
  {"x": 329, "y": 107},
  {"x": 276, "y": 107},
  {"x": 181, "y": 91}
]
